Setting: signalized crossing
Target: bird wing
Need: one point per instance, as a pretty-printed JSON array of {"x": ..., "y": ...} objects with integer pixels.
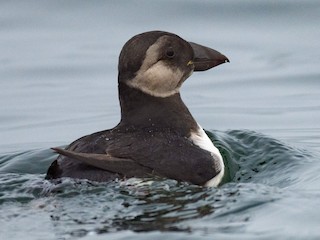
[
  {"x": 169, "y": 155},
  {"x": 125, "y": 166},
  {"x": 139, "y": 154}
]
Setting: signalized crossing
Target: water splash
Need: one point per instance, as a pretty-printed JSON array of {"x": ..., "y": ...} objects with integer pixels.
[{"x": 261, "y": 172}]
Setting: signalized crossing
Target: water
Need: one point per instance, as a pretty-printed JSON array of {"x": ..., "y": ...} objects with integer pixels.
[{"x": 58, "y": 70}]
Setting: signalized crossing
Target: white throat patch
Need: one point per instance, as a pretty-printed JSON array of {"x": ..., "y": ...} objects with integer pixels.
[
  {"x": 159, "y": 80},
  {"x": 201, "y": 139}
]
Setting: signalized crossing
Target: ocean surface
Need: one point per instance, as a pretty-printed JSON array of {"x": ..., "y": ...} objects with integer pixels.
[{"x": 58, "y": 82}]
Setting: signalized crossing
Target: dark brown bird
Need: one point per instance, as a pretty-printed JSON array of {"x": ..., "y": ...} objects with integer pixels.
[{"x": 157, "y": 135}]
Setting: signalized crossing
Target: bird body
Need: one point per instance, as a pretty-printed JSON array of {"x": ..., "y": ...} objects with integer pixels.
[{"x": 157, "y": 135}]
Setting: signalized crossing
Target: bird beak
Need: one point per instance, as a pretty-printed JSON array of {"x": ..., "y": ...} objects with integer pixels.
[{"x": 206, "y": 58}]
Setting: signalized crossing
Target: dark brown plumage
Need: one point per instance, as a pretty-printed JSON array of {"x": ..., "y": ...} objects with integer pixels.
[{"x": 156, "y": 133}]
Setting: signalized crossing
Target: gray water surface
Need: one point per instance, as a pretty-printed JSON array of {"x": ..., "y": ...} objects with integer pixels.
[{"x": 58, "y": 82}]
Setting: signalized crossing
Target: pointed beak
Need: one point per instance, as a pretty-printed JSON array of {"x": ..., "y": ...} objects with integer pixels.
[{"x": 206, "y": 58}]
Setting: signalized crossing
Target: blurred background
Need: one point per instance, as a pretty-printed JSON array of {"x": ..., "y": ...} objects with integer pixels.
[{"x": 58, "y": 65}]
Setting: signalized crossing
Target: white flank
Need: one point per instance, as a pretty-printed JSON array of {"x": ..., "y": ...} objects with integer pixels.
[{"x": 201, "y": 139}]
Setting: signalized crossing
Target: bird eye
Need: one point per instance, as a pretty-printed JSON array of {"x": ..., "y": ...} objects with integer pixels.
[{"x": 170, "y": 53}]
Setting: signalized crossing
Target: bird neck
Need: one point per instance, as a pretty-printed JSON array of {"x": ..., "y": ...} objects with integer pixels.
[{"x": 141, "y": 110}]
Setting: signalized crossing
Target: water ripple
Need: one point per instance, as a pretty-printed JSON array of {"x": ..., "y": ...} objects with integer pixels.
[{"x": 261, "y": 171}]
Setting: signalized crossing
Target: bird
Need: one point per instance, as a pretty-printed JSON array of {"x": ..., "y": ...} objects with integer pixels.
[{"x": 156, "y": 135}]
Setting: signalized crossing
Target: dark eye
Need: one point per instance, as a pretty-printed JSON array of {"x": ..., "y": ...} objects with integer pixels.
[{"x": 170, "y": 53}]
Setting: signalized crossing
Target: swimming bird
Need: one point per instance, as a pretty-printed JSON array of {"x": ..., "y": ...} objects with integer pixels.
[{"x": 157, "y": 135}]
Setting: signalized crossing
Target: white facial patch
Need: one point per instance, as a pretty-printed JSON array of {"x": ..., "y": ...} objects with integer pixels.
[
  {"x": 201, "y": 139},
  {"x": 160, "y": 80},
  {"x": 156, "y": 77}
]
